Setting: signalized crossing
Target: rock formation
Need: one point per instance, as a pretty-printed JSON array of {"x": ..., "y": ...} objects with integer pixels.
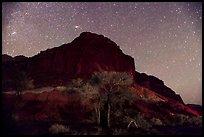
[
  {"x": 156, "y": 85},
  {"x": 84, "y": 55}
]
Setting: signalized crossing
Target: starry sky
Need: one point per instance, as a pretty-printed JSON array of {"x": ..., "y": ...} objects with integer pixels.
[{"x": 165, "y": 39}]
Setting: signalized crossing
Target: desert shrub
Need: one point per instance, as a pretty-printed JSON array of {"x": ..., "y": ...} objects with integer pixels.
[
  {"x": 167, "y": 121},
  {"x": 58, "y": 128},
  {"x": 140, "y": 121},
  {"x": 105, "y": 91},
  {"x": 118, "y": 131},
  {"x": 179, "y": 119},
  {"x": 22, "y": 81},
  {"x": 156, "y": 121},
  {"x": 193, "y": 120}
]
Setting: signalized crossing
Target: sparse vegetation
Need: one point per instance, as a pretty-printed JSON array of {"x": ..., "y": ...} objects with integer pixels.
[
  {"x": 105, "y": 91},
  {"x": 58, "y": 129},
  {"x": 142, "y": 122},
  {"x": 182, "y": 120},
  {"x": 156, "y": 121},
  {"x": 109, "y": 102},
  {"x": 195, "y": 120},
  {"x": 22, "y": 82},
  {"x": 109, "y": 94},
  {"x": 119, "y": 131},
  {"x": 179, "y": 119}
]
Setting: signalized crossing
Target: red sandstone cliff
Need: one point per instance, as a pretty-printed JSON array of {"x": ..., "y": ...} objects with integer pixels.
[{"x": 84, "y": 55}]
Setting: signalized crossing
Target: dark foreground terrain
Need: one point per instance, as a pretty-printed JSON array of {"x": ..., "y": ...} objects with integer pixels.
[{"x": 45, "y": 128}]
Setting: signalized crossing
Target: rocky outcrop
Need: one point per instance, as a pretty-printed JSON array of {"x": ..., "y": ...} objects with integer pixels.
[
  {"x": 6, "y": 58},
  {"x": 196, "y": 107},
  {"x": 84, "y": 55},
  {"x": 156, "y": 85}
]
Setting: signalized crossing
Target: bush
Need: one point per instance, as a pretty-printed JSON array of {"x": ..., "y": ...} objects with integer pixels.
[
  {"x": 58, "y": 128},
  {"x": 140, "y": 121},
  {"x": 156, "y": 121},
  {"x": 195, "y": 120},
  {"x": 22, "y": 81},
  {"x": 119, "y": 131},
  {"x": 179, "y": 119}
]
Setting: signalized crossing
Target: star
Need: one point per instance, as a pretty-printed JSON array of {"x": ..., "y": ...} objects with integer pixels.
[
  {"x": 76, "y": 27},
  {"x": 13, "y": 33},
  {"x": 165, "y": 36}
]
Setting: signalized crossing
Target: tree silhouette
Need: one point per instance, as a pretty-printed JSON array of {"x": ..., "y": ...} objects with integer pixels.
[
  {"x": 113, "y": 90},
  {"x": 21, "y": 82},
  {"x": 104, "y": 90}
]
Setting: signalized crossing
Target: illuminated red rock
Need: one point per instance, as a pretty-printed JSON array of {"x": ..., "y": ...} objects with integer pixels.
[
  {"x": 56, "y": 105},
  {"x": 84, "y": 55}
]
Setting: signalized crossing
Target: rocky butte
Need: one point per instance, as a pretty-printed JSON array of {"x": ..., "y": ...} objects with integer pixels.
[{"x": 85, "y": 55}]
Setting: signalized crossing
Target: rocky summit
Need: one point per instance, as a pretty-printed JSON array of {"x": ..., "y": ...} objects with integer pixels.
[{"x": 85, "y": 55}]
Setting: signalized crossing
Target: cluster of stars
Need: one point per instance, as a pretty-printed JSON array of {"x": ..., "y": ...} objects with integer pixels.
[{"x": 164, "y": 38}]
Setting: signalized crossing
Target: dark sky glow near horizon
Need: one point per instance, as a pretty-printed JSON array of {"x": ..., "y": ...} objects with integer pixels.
[{"x": 165, "y": 39}]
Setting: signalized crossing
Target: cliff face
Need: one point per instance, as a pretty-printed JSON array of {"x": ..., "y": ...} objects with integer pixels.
[
  {"x": 196, "y": 107},
  {"x": 156, "y": 85},
  {"x": 84, "y": 55},
  {"x": 6, "y": 58}
]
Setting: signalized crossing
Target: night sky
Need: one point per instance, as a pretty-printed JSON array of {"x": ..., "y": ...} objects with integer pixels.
[{"x": 165, "y": 39}]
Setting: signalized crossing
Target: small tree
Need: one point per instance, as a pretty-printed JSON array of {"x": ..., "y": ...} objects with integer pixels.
[
  {"x": 105, "y": 91},
  {"x": 91, "y": 94},
  {"x": 156, "y": 121},
  {"x": 112, "y": 90},
  {"x": 21, "y": 82},
  {"x": 88, "y": 93}
]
